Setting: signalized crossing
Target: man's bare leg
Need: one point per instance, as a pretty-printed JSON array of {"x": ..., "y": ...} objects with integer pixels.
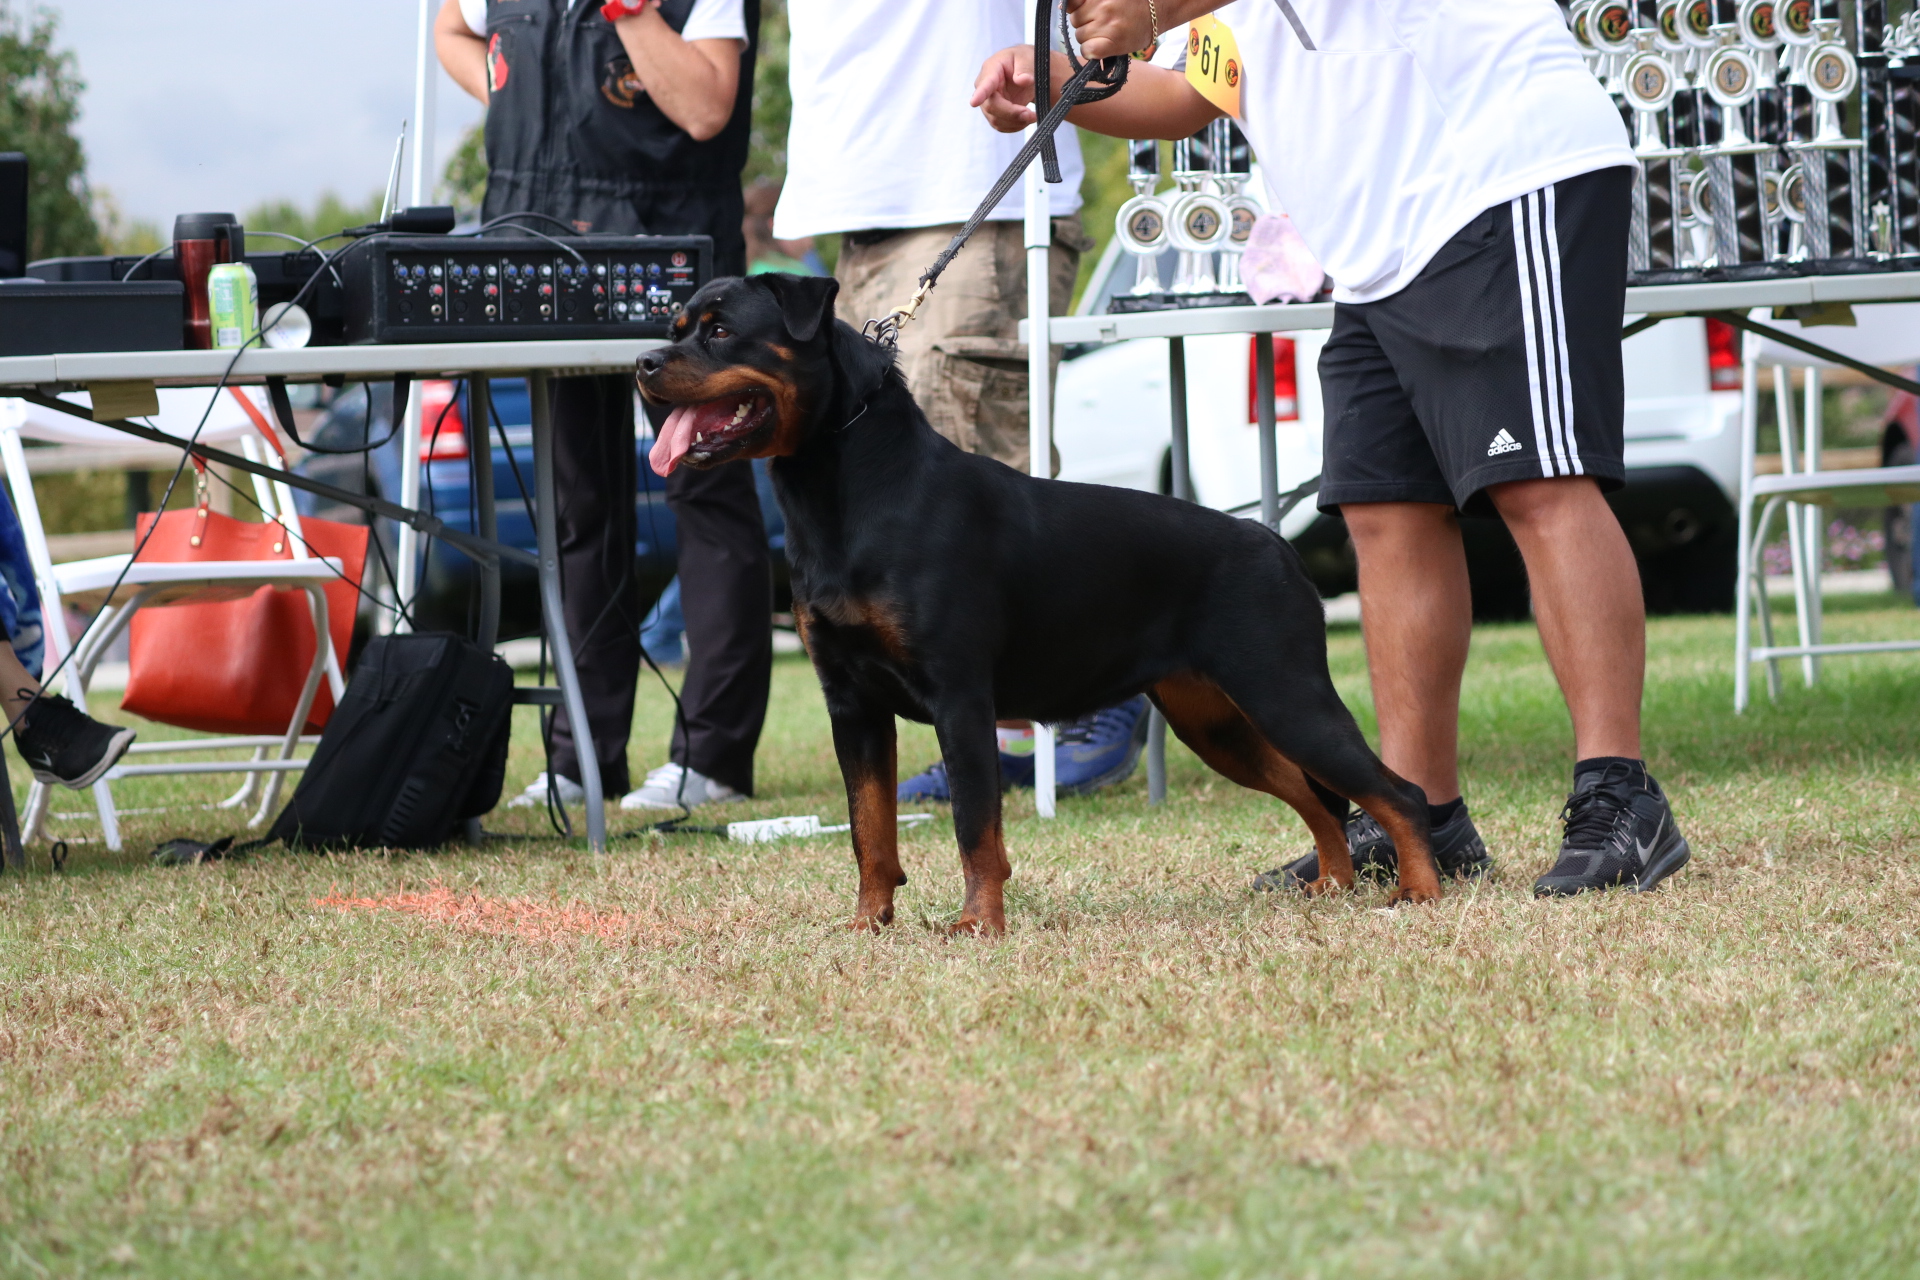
[
  {"x": 1587, "y": 602},
  {"x": 17, "y": 688},
  {"x": 1417, "y": 613}
]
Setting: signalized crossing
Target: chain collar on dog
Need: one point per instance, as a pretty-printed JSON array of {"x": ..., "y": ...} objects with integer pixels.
[{"x": 1105, "y": 75}]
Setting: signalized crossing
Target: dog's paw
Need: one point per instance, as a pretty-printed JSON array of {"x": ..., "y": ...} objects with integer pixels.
[
  {"x": 1404, "y": 895},
  {"x": 969, "y": 926},
  {"x": 1325, "y": 886}
]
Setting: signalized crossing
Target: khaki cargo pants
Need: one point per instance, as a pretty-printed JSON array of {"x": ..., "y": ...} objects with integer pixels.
[{"x": 961, "y": 354}]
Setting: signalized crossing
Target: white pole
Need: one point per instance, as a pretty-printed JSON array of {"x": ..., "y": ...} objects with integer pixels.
[
  {"x": 1039, "y": 226},
  {"x": 424, "y": 95},
  {"x": 407, "y": 550}
]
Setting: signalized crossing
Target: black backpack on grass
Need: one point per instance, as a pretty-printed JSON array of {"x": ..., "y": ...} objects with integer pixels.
[{"x": 416, "y": 747}]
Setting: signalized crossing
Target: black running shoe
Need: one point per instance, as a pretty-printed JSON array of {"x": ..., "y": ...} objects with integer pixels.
[
  {"x": 1620, "y": 834},
  {"x": 62, "y": 744},
  {"x": 1457, "y": 850}
]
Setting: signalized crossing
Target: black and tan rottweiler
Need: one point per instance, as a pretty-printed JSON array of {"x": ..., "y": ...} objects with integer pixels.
[{"x": 950, "y": 589}]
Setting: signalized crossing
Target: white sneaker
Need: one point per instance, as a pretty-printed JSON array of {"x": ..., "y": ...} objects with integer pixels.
[
  {"x": 566, "y": 790},
  {"x": 663, "y": 790}
]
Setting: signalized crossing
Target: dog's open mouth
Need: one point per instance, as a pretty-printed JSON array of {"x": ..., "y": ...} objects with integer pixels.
[{"x": 701, "y": 431}]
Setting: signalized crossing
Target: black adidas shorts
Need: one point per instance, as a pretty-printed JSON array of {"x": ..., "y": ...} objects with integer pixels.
[{"x": 1501, "y": 361}]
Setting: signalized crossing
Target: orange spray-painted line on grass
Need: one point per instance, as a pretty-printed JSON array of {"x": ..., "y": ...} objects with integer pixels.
[{"x": 511, "y": 917}]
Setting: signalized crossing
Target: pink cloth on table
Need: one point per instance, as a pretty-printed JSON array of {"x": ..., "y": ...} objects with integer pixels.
[{"x": 1277, "y": 265}]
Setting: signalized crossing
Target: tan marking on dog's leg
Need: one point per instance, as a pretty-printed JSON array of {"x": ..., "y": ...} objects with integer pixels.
[
  {"x": 1419, "y": 875},
  {"x": 1209, "y": 722},
  {"x": 984, "y": 912}
]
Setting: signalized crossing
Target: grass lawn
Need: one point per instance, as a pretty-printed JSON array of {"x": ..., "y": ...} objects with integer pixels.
[{"x": 673, "y": 1061}]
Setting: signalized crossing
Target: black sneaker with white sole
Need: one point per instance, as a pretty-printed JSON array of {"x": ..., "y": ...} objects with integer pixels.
[
  {"x": 1457, "y": 850},
  {"x": 64, "y": 745},
  {"x": 1620, "y": 833}
]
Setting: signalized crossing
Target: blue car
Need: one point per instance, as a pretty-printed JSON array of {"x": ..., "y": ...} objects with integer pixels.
[{"x": 448, "y": 598}]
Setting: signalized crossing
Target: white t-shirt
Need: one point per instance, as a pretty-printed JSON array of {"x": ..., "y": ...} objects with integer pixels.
[
  {"x": 882, "y": 135},
  {"x": 1406, "y": 119},
  {"x": 710, "y": 19}
]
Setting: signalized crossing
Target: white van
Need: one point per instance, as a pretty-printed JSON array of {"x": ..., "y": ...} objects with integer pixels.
[{"x": 1111, "y": 424}]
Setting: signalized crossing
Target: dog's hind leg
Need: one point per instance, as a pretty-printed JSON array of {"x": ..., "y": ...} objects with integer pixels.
[
  {"x": 864, "y": 740},
  {"x": 973, "y": 775},
  {"x": 1219, "y": 733},
  {"x": 1302, "y": 716}
]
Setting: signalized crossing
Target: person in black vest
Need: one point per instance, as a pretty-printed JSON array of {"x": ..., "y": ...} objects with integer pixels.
[{"x": 632, "y": 118}]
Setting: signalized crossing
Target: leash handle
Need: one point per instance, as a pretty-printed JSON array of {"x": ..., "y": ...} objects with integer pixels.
[{"x": 1110, "y": 75}]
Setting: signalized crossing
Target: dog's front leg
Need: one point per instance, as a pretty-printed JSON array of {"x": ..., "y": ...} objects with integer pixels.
[
  {"x": 973, "y": 776},
  {"x": 864, "y": 740}
]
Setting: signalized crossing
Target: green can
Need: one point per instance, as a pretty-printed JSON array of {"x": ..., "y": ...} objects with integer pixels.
[{"x": 233, "y": 304}]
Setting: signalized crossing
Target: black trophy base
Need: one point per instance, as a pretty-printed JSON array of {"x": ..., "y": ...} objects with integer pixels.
[{"x": 1131, "y": 304}]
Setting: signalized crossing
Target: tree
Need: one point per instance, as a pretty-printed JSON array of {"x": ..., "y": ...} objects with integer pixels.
[{"x": 39, "y": 102}]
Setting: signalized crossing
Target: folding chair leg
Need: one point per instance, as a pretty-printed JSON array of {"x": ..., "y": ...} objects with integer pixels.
[
  {"x": 1802, "y": 572},
  {"x": 109, "y": 816},
  {"x": 322, "y": 650},
  {"x": 11, "y": 849},
  {"x": 33, "y": 824},
  {"x": 1766, "y": 639},
  {"x": 245, "y": 794}
]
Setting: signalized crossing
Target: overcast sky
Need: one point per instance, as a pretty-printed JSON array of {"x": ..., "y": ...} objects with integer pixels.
[{"x": 217, "y": 105}]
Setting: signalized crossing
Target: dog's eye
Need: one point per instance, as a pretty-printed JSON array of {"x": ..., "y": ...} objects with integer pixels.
[{"x": 719, "y": 331}]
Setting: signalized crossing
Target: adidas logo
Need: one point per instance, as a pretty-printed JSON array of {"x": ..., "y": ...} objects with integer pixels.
[{"x": 1502, "y": 443}]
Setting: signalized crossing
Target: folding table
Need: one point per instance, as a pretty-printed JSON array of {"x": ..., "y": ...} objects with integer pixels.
[
  {"x": 1730, "y": 301},
  {"x": 42, "y": 378}
]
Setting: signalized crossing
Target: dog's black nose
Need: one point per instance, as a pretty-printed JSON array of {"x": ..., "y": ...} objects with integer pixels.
[{"x": 652, "y": 362}]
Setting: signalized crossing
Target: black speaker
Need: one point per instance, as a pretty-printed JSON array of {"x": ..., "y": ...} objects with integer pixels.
[{"x": 13, "y": 214}]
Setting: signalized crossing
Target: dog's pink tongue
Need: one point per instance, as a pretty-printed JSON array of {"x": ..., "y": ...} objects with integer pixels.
[{"x": 675, "y": 438}]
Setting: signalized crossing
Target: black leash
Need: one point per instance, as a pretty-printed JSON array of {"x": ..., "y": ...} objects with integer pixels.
[{"x": 1092, "y": 81}]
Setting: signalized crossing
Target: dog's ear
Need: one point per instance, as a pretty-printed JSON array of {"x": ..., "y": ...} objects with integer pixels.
[{"x": 806, "y": 302}]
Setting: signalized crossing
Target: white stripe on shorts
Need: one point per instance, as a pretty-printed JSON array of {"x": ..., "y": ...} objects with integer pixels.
[
  {"x": 1550, "y": 233},
  {"x": 1537, "y": 382}
]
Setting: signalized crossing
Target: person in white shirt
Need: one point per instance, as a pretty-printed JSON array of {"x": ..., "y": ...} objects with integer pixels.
[
  {"x": 885, "y": 152},
  {"x": 1466, "y": 182},
  {"x": 631, "y": 118}
]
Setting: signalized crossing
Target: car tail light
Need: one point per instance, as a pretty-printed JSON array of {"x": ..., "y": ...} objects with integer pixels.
[
  {"x": 443, "y": 433},
  {"x": 1286, "y": 381},
  {"x": 1723, "y": 356}
]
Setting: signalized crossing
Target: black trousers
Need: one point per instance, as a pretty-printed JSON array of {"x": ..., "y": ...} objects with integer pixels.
[{"x": 726, "y": 591}]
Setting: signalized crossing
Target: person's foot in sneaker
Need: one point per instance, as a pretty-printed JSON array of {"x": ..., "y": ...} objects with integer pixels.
[
  {"x": 1458, "y": 851},
  {"x": 1620, "y": 832},
  {"x": 931, "y": 782},
  {"x": 63, "y": 744},
  {"x": 569, "y": 793},
  {"x": 672, "y": 786},
  {"x": 1099, "y": 750}
]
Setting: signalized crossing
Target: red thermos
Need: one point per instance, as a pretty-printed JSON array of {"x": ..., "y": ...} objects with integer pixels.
[{"x": 199, "y": 241}]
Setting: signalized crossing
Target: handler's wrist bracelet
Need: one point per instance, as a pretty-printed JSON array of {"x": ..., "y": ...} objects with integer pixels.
[{"x": 1153, "y": 20}]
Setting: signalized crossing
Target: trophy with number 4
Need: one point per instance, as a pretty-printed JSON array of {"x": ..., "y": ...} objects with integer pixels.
[
  {"x": 1233, "y": 165},
  {"x": 1198, "y": 220},
  {"x": 1141, "y": 224}
]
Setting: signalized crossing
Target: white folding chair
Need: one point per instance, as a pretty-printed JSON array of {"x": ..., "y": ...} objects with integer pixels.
[
  {"x": 233, "y": 415},
  {"x": 1887, "y": 334}
]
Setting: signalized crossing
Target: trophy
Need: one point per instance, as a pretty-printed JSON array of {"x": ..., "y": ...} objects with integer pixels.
[
  {"x": 1577, "y": 23},
  {"x": 1735, "y": 164},
  {"x": 1793, "y": 208},
  {"x": 1835, "y": 225},
  {"x": 1233, "y": 165},
  {"x": 1141, "y": 224},
  {"x": 1693, "y": 25},
  {"x": 1197, "y": 219},
  {"x": 1793, "y": 23},
  {"x": 1650, "y": 84},
  {"x": 1610, "y": 29},
  {"x": 1899, "y": 46},
  {"x": 1696, "y": 218}
]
